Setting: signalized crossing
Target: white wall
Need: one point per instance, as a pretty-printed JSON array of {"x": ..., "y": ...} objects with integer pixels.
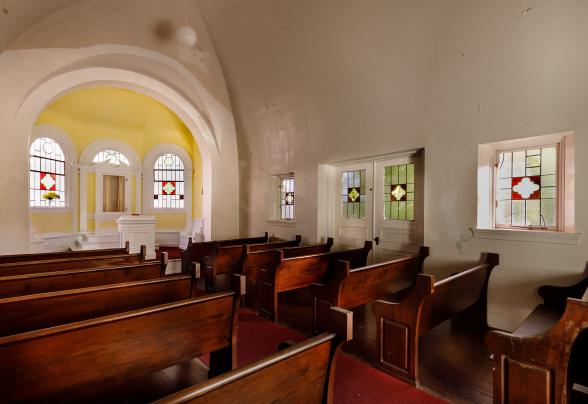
[
  {"x": 121, "y": 42},
  {"x": 319, "y": 81}
]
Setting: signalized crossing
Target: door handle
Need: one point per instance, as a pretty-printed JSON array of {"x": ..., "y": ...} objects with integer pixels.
[{"x": 377, "y": 240}]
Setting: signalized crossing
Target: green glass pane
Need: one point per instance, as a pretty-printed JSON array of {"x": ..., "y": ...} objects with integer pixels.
[
  {"x": 362, "y": 210},
  {"x": 533, "y": 161},
  {"x": 548, "y": 161},
  {"x": 518, "y": 213},
  {"x": 548, "y": 192},
  {"x": 410, "y": 187},
  {"x": 402, "y": 210},
  {"x": 518, "y": 164},
  {"x": 534, "y": 171},
  {"x": 409, "y": 210},
  {"x": 505, "y": 165},
  {"x": 356, "y": 212},
  {"x": 394, "y": 210},
  {"x": 548, "y": 181},
  {"x": 503, "y": 212},
  {"x": 533, "y": 152},
  {"x": 410, "y": 196},
  {"x": 402, "y": 174},
  {"x": 394, "y": 175},
  {"x": 386, "y": 197},
  {"x": 387, "y": 210},
  {"x": 349, "y": 211},
  {"x": 533, "y": 212},
  {"x": 548, "y": 211},
  {"x": 387, "y": 176},
  {"x": 410, "y": 174},
  {"x": 345, "y": 182},
  {"x": 362, "y": 181}
]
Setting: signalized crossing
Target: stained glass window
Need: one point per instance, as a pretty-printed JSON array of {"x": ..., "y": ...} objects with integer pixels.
[
  {"x": 399, "y": 192},
  {"x": 168, "y": 182},
  {"x": 353, "y": 199},
  {"x": 111, "y": 156},
  {"x": 46, "y": 174},
  {"x": 287, "y": 198},
  {"x": 526, "y": 188}
]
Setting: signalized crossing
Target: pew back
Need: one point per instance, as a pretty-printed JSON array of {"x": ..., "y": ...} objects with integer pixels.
[
  {"x": 65, "y": 264},
  {"x": 27, "y": 313},
  {"x": 19, "y": 285},
  {"x": 5, "y": 259},
  {"x": 102, "y": 352}
]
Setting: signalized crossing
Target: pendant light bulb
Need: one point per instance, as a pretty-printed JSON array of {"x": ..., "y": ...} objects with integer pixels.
[{"x": 186, "y": 36}]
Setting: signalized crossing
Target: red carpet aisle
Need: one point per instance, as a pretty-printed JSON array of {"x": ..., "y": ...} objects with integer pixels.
[{"x": 355, "y": 381}]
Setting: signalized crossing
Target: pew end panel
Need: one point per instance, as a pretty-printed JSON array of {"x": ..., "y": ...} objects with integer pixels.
[
  {"x": 164, "y": 259},
  {"x": 267, "y": 297},
  {"x": 397, "y": 331},
  {"x": 356, "y": 257},
  {"x": 534, "y": 367},
  {"x": 557, "y": 296}
]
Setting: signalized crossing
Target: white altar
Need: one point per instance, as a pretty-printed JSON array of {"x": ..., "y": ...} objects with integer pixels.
[{"x": 138, "y": 230}]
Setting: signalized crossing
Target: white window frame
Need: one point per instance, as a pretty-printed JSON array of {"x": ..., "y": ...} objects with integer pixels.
[
  {"x": 148, "y": 165},
  {"x": 71, "y": 159},
  {"x": 275, "y": 196},
  {"x": 486, "y": 227}
]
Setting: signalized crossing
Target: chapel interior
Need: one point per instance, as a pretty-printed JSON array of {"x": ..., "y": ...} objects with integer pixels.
[{"x": 294, "y": 201}]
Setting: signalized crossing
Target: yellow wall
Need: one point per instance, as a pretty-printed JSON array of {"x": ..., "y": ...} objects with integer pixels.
[
  {"x": 141, "y": 122},
  {"x": 59, "y": 222}
]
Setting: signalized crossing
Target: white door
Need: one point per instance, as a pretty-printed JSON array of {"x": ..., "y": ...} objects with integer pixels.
[
  {"x": 397, "y": 197},
  {"x": 381, "y": 201},
  {"x": 354, "y": 187}
]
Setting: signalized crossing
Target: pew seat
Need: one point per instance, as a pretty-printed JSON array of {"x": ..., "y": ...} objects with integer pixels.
[
  {"x": 300, "y": 373},
  {"x": 42, "y": 310},
  {"x": 400, "y": 324},
  {"x": 19, "y": 285},
  {"x": 98, "y": 357},
  {"x": 5, "y": 259},
  {"x": 301, "y": 272},
  {"x": 544, "y": 359}
]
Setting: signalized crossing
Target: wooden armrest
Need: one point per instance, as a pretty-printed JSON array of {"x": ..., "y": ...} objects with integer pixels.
[{"x": 538, "y": 322}]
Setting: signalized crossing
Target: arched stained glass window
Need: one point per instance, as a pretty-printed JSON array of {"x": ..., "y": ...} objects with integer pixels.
[
  {"x": 46, "y": 174},
  {"x": 111, "y": 156},
  {"x": 168, "y": 182}
]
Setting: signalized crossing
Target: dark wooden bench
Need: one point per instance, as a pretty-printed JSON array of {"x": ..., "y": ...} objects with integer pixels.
[
  {"x": 350, "y": 288},
  {"x": 5, "y": 259},
  {"x": 64, "y": 264},
  {"x": 534, "y": 363},
  {"x": 300, "y": 272},
  {"x": 302, "y": 373},
  {"x": 19, "y": 285},
  {"x": 428, "y": 304},
  {"x": 89, "y": 359},
  {"x": 226, "y": 260},
  {"x": 195, "y": 252},
  {"x": 254, "y": 261},
  {"x": 32, "y": 312}
]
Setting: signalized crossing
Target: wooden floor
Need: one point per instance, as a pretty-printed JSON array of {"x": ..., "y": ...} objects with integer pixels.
[{"x": 454, "y": 363}]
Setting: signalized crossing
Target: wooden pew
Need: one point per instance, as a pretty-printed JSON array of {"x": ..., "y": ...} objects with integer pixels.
[
  {"x": 64, "y": 264},
  {"x": 225, "y": 260},
  {"x": 195, "y": 252},
  {"x": 299, "y": 272},
  {"x": 350, "y": 288},
  {"x": 254, "y": 261},
  {"x": 19, "y": 285},
  {"x": 89, "y": 359},
  {"x": 32, "y": 312},
  {"x": 428, "y": 304},
  {"x": 5, "y": 259},
  {"x": 302, "y": 373},
  {"x": 534, "y": 363}
]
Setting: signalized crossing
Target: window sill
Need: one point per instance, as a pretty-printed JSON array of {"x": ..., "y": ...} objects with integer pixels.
[
  {"x": 533, "y": 236},
  {"x": 39, "y": 209},
  {"x": 282, "y": 223},
  {"x": 167, "y": 210}
]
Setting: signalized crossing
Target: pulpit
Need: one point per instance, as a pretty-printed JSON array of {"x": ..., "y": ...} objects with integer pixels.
[{"x": 138, "y": 230}]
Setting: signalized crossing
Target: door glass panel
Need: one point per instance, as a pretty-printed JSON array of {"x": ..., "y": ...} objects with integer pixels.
[
  {"x": 399, "y": 192},
  {"x": 353, "y": 188}
]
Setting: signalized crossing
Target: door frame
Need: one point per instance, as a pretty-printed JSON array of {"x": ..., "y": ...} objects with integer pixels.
[{"x": 327, "y": 185}]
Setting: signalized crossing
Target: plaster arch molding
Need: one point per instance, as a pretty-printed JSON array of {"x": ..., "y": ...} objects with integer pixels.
[{"x": 136, "y": 77}]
